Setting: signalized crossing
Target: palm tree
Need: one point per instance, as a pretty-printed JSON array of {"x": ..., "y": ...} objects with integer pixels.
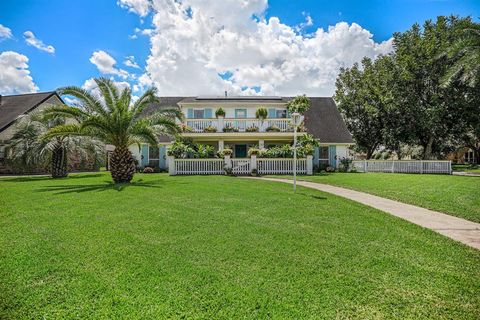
[
  {"x": 29, "y": 152},
  {"x": 466, "y": 52},
  {"x": 115, "y": 119}
]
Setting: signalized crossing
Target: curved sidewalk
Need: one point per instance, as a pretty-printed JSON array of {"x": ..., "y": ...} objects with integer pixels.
[{"x": 458, "y": 229}]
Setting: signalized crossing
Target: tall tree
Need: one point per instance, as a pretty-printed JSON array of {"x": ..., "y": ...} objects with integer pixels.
[
  {"x": 419, "y": 91},
  {"x": 115, "y": 120},
  {"x": 364, "y": 98},
  {"x": 28, "y": 151}
]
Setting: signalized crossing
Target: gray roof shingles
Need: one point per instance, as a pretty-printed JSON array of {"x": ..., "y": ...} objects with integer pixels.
[{"x": 11, "y": 107}]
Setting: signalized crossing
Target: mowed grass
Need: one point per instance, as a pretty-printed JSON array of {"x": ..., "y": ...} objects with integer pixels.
[
  {"x": 216, "y": 247},
  {"x": 455, "y": 195}
]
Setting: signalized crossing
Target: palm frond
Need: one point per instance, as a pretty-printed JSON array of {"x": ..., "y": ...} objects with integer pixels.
[
  {"x": 109, "y": 92},
  {"x": 87, "y": 100}
]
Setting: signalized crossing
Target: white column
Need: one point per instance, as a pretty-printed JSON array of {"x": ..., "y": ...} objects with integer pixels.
[
  {"x": 171, "y": 165},
  {"x": 261, "y": 144},
  {"x": 220, "y": 124},
  {"x": 221, "y": 145},
  {"x": 253, "y": 162},
  {"x": 228, "y": 162},
  {"x": 309, "y": 165}
]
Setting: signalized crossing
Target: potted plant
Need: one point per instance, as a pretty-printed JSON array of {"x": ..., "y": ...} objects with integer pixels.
[
  {"x": 227, "y": 152},
  {"x": 229, "y": 128},
  {"x": 261, "y": 114},
  {"x": 252, "y": 128},
  {"x": 220, "y": 113},
  {"x": 253, "y": 151},
  {"x": 273, "y": 128},
  {"x": 209, "y": 129}
]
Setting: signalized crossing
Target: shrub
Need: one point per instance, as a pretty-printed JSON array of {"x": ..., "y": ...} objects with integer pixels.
[
  {"x": 345, "y": 164},
  {"x": 230, "y": 128},
  {"x": 205, "y": 151},
  {"x": 330, "y": 169},
  {"x": 210, "y": 129},
  {"x": 273, "y": 128},
  {"x": 148, "y": 170},
  {"x": 220, "y": 113},
  {"x": 252, "y": 128},
  {"x": 228, "y": 171},
  {"x": 180, "y": 150},
  {"x": 261, "y": 113},
  {"x": 254, "y": 172}
]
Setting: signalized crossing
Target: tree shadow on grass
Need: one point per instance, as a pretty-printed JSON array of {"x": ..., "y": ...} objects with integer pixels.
[
  {"x": 107, "y": 185},
  {"x": 312, "y": 196},
  {"x": 43, "y": 177}
]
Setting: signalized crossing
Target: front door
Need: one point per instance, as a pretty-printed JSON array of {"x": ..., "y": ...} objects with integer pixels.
[{"x": 240, "y": 151}]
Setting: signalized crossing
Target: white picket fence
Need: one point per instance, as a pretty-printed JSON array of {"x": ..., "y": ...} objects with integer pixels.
[
  {"x": 199, "y": 166},
  {"x": 404, "y": 166},
  {"x": 241, "y": 166},
  {"x": 280, "y": 166}
]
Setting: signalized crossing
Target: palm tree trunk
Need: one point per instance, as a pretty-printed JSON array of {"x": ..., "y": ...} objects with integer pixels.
[
  {"x": 122, "y": 165},
  {"x": 59, "y": 162}
]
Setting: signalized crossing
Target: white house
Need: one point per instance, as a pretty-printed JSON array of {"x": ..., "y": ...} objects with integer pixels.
[{"x": 239, "y": 128}]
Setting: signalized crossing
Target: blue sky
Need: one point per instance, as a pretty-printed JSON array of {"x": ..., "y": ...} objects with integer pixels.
[{"x": 77, "y": 29}]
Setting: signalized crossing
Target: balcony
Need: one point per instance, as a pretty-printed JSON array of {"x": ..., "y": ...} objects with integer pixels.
[{"x": 238, "y": 125}]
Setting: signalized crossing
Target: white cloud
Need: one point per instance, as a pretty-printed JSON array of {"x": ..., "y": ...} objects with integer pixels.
[
  {"x": 5, "y": 32},
  {"x": 37, "y": 43},
  {"x": 130, "y": 62},
  {"x": 141, "y": 7},
  {"x": 193, "y": 41},
  {"x": 15, "y": 77},
  {"x": 105, "y": 63}
]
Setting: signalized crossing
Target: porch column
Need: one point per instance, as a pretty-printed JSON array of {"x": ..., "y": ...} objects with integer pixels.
[
  {"x": 221, "y": 145},
  {"x": 220, "y": 124},
  {"x": 261, "y": 144}
]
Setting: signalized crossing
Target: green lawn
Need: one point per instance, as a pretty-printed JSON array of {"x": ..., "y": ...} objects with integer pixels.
[
  {"x": 219, "y": 247},
  {"x": 455, "y": 195},
  {"x": 471, "y": 168}
]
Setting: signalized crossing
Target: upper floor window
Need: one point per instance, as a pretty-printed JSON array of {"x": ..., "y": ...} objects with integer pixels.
[
  {"x": 281, "y": 113},
  {"x": 199, "y": 113},
  {"x": 240, "y": 113}
]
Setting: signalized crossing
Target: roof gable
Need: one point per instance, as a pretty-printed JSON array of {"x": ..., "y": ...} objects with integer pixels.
[{"x": 12, "y": 107}]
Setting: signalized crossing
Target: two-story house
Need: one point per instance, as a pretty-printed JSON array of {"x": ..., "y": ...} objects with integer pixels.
[{"x": 239, "y": 128}]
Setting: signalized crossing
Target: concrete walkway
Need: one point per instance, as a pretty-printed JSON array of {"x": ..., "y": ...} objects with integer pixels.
[{"x": 458, "y": 229}]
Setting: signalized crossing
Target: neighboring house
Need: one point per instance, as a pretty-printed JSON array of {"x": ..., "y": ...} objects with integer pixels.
[
  {"x": 11, "y": 107},
  {"x": 322, "y": 120},
  {"x": 462, "y": 156}
]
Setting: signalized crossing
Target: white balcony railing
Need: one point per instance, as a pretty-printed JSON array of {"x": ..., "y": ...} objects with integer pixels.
[{"x": 238, "y": 125}]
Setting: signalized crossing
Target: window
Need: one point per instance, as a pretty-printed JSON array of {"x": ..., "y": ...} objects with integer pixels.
[
  {"x": 2, "y": 154},
  {"x": 281, "y": 113},
  {"x": 199, "y": 113},
  {"x": 240, "y": 113},
  {"x": 154, "y": 157},
  {"x": 323, "y": 157}
]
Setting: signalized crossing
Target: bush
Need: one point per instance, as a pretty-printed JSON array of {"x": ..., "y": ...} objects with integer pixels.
[
  {"x": 252, "y": 128},
  {"x": 210, "y": 129},
  {"x": 330, "y": 169},
  {"x": 254, "y": 172},
  {"x": 345, "y": 164},
  {"x": 273, "y": 128},
  {"x": 185, "y": 128},
  {"x": 220, "y": 113},
  {"x": 205, "y": 151},
  {"x": 230, "y": 128},
  {"x": 148, "y": 170}
]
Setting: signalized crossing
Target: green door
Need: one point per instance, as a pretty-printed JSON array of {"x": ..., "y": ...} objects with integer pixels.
[{"x": 240, "y": 151}]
